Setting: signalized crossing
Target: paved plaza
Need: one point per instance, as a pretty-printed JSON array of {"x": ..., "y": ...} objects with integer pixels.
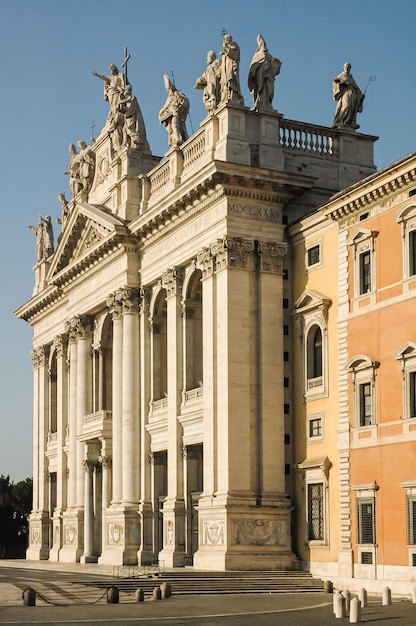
[{"x": 293, "y": 609}]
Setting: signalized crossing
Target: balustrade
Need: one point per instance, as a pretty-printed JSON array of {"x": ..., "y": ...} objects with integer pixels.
[{"x": 307, "y": 137}]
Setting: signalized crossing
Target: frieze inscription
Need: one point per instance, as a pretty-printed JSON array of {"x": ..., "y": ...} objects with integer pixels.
[{"x": 272, "y": 214}]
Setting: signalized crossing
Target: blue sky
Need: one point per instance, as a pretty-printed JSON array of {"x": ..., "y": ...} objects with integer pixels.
[{"x": 50, "y": 99}]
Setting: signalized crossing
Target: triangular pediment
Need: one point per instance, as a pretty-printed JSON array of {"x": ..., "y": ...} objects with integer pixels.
[
  {"x": 311, "y": 299},
  {"x": 89, "y": 229}
]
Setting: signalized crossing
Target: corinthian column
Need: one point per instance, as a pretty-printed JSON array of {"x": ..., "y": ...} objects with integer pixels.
[
  {"x": 130, "y": 398},
  {"x": 114, "y": 307}
]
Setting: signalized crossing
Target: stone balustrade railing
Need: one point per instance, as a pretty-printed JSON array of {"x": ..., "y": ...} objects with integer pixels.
[
  {"x": 308, "y": 137},
  {"x": 194, "y": 149}
]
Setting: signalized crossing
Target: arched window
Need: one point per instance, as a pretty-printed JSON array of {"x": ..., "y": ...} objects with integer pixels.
[
  {"x": 53, "y": 394},
  {"x": 314, "y": 354},
  {"x": 193, "y": 332},
  {"x": 159, "y": 352}
]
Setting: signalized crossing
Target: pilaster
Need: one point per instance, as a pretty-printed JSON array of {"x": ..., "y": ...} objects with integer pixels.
[
  {"x": 247, "y": 518},
  {"x": 173, "y": 552}
]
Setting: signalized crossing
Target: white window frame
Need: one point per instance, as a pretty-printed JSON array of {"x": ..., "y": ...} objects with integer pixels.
[
  {"x": 366, "y": 493},
  {"x": 316, "y": 472},
  {"x": 410, "y": 487},
  {"x": 311, "y": 418},
  {"x": 407, "y": 357},
  {"x": 311, "y": 309},
  {"x": 309, "y": 246},
  {"x": 407, "y": 220},
  {"x": 363, "y": 369},
  {"x": 363, "y": 241}
]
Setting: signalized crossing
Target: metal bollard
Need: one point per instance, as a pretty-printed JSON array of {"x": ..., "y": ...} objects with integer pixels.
[
  {"x": 139, "y": 595},
  {"x": 340, "y": 608},
  {"x": 362, "y": 596},
  {"x": 165, "y": 590},
  {"x": 386, "y": 596},
  {"x": 156, "y": 593},
  {"x": 347, "y": 596},
  {"x": 414, "y": 596},
  {"x": 112, "y": 595},
  {"x": 328, "y": 586},
  {"x": 355, "y": 611},
  {"x": 29, "y": 597}
]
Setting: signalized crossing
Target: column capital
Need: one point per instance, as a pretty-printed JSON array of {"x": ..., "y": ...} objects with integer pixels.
[
  {"x": 205, "y": 262},
  {"x": 232, "y": 252},
  {"x": 172, "y": 281},
  {"x": 144, "y": 300},
  {"x": 60, "y": 343},
  {"x": 106, "y": 462},
  {"x": 124, "y": 300},
  {"x": 271, "y": 255},
  {"x": 79, "y": 327},
  {"x": 40, "y": 356}
]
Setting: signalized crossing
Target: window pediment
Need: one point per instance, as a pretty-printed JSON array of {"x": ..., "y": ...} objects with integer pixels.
[
  {"x": 362, "y": 362},
  {"x": 407, "y": 351},
  {"x": 311, "y": 300},
  {"x": 407, "y": 212}
]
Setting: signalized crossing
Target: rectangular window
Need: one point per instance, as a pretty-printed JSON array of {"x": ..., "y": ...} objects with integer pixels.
[
  {"x": 314, "y": 255},
  {"x": 412, "y": 253},
  {"x": 412, "y": 394},
  {"x": 316, "y": 511},
  {"x": 365, "y": 404},
  {"x": 366, "y": 521},
  {"x": 315, "y": 427},
  {"x": 411, "y": 520},
  {"x": 365, "y": 272}
]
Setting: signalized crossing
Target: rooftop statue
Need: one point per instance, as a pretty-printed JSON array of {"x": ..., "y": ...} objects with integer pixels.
[
  {"x": 210, "y": 82},
  {"x": 113, "y": 87},
  {"x": 263, "y": 70},
  {"x": 349, "y": 99},
  {"x": 75, "y": 184},
  {"x": 86, "y": 165},
  {"x": 230, "y": 71},
  {"x": 173, "y": 114},
  {"x": 64, "y": 210},
  {"x": 134, "y": 131},
  {"x": 44, "y": 238}
]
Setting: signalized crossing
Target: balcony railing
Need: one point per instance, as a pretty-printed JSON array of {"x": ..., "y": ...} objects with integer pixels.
[
  {"x": 313, "y": 383},
  {"x": 307, "y": 137}
]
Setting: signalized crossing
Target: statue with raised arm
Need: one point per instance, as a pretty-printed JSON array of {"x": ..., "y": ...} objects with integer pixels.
[
  {"x": 134, "y": 131},
  {"x": 73, "y": 171},
  {"x": 263, "y": 70},
  {"x": 44, "y": 238},
  {"x": 173, "y": 114},
  {"x": 113, "y": 87},
  {"x": 230, "y": 71},
  {"x": 86, "y": 159},
  {"x": 210, "y": 82},
  {"x": 349, "y": 99}
]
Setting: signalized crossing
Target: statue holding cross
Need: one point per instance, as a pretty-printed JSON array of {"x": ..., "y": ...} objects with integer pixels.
[{"x": 113, "y": 87}]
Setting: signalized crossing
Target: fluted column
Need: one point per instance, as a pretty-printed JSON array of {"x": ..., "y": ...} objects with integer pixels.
[
  {"x": 61, "y": 343},
  {"x": 88, "y": 513},
  {"x": 72, "y": 448},
  {"x": 105, "y": 494},
  {"x": 146, "y": 550},
  {"x": 115, "y": 308},
  {"x": 130, "y": 398},
  {"x": 39, "y": 521}
]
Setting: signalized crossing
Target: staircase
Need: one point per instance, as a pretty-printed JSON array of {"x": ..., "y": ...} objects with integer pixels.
[{"x": 204, "y": 583}]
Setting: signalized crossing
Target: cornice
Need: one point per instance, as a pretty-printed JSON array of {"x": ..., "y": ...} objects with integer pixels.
[
  {"x": 40, "y": 303},
  {"x": 374, "y": 189}
]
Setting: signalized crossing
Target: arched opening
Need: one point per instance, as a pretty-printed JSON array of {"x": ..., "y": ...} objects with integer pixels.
[
  {"x": 314, "y": 356},
  {"x": 160, "y": 364},
  {"x": 193, "y": 332}
]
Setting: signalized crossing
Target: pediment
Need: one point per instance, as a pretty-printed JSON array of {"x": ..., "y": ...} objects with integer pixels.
[
  {"x": 89, "y": 228},
  {"x": 310, "y": 300},
  {"x": 407, "y": 351}
]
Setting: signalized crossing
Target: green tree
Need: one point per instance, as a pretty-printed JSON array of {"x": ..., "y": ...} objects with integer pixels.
[{"x": 15, "y": 507}]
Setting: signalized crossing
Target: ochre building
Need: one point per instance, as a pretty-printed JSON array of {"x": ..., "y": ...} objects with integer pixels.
[{"x": 223, "y": 356}]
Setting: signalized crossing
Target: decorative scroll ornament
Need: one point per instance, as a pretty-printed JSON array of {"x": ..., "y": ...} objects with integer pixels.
[
  {"x": 124, "y": 300},
  {"x": 271, "y": 256}
]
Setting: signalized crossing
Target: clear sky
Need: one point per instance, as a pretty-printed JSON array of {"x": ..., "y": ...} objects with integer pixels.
[{"x": 49, "y": 99}]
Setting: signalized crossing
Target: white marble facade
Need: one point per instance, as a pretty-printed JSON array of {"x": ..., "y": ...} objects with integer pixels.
[{"x": 158, "y": 349}]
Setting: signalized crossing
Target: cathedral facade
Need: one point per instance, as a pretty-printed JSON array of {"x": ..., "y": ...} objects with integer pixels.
[{"x": 193, "y": 348}]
